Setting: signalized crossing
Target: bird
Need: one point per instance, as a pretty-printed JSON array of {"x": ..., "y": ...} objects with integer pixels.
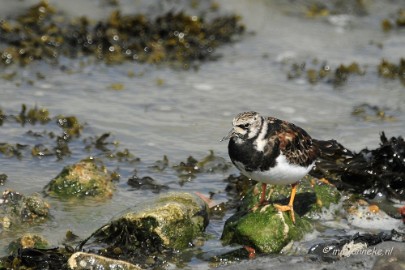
[{"x": 271, "y": 151}]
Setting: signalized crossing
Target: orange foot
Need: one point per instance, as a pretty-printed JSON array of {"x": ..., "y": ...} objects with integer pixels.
[
  {"x": 284, "y": 208},
  {"x": 289, "y": 206},
  {"x": 326, "y": 181}
]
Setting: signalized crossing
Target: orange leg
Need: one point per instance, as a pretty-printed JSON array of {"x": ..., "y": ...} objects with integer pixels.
[{"x": 289, "y": 206}]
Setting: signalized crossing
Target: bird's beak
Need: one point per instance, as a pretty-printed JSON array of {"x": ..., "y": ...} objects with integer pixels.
[{"x": 230, "y": 135}]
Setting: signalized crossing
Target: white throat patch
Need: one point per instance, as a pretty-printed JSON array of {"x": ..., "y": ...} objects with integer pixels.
[{"x": 261, "y": 142}]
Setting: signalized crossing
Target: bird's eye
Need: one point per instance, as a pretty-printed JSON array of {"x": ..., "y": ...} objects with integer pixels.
[{"x": 244, "y": 126}]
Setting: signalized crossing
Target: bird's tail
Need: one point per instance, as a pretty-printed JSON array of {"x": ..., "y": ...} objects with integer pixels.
[
  {"x": 332, "y": 150},
  {"x": 332, "y": 159}
]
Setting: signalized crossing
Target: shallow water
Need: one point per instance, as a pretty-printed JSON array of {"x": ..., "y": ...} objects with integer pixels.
[{"x": 178, "y": 113}]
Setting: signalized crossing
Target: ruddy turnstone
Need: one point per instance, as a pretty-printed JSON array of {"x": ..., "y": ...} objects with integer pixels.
[{"x": 271, "y": 151}]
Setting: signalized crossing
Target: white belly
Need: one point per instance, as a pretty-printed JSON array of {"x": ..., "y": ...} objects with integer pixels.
[{"x": 283, "y": 173}]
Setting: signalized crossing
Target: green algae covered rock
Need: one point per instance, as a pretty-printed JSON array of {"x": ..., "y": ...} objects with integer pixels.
[
  {"x": 326, "y": 194},
  {"x": 28, "y": 240},
  {"x": 83, "y": 179},
  {"x": 172, "y": 221},
  {"x": 266, "y": 229}
]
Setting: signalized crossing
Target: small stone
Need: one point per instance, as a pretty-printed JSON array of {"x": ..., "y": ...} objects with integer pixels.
[
  {"x": 28, "y": 240},
  {"x": 84, "y": 261}
]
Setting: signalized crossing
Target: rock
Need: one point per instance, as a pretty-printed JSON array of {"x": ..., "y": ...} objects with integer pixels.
[
  {"x": 82, "y": 261},
  {"x": 28, "y": 240},
  {"x": 267, "y": 230},
  {"x": 325, "y": 194},
  {"x": 80, "y": 180},
  {"x": 393, "y": 256},
  {"x": 17, "y": 209},
  {"x": 170, "y": 222}
]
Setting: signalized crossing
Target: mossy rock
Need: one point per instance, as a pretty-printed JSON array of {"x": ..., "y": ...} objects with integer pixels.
[
  {"x": 28, "y": 240},
  {"x": 326, "y": 195},
  {"x": 312, "y": 195},
  {"x": 80, "y": 180},
  {"x": 268, "y": 230},
  {"x": 172, "y": 221}
]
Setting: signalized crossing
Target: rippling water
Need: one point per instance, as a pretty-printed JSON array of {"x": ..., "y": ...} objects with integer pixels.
[{"x": 176, "y": 113}]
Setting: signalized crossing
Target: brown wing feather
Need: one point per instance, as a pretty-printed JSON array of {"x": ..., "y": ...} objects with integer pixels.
[{"x": 296, "y": 144}]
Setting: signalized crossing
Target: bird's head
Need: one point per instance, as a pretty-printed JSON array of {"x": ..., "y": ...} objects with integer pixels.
[{"x": 246, "y": 125}]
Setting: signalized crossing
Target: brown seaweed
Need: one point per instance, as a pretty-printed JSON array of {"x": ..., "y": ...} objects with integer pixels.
[{"x": 44, "y": 33}]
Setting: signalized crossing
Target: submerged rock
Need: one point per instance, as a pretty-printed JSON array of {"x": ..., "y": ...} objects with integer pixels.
[
  {"x": 267, "y": 230},
  {"x": 80, "y": 180},
  {"x": 17, "y": 209},
  {"x": 28, "y": 240},
  {"x": 170, "y": 222},
  {"x": 82, "y": 261}
]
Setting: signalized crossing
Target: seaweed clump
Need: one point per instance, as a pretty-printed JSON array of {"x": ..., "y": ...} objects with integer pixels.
[
  {"x": 370, "y": 113},
  {"x": 396, "y": 22},
  {"x": 61, "y": 132},
  {"x": 392, "y": 71},
  {"x": 369, "y": 172},
  {"x": 324, "y": 72},
  {"x": 316, "y": 72},
  {"x": 188, "y": 169},
  {"x": 319, "y": 9},
  {"x": 35, "y": 258},
  {"x": 43, "y": 33},
  {"x": 146, "y": 182},
  {"x": 69, "y": 125}
]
